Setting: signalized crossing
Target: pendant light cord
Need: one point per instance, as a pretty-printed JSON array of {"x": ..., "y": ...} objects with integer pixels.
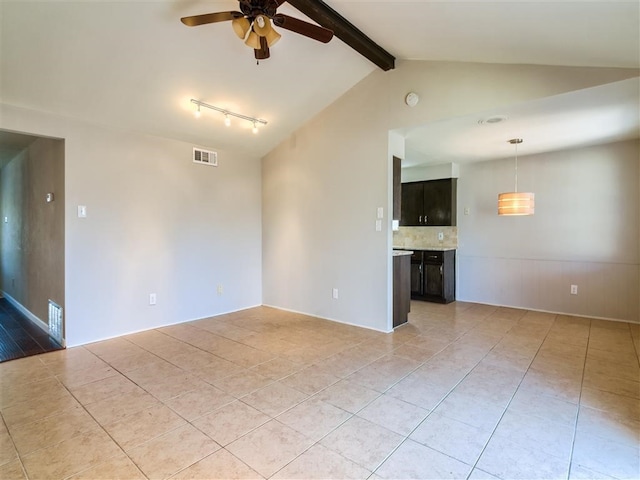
[
  {"x": 516, "y": 190},
  {"x": 516, "y": 141}
]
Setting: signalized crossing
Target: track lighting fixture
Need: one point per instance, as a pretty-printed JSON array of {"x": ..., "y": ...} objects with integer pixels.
[
  {"x": 228, "y": 113},
  {"x": 197, "y": 113}
]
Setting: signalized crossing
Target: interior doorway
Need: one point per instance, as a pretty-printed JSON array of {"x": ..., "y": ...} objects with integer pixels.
[{"x": 31, "y": 243}]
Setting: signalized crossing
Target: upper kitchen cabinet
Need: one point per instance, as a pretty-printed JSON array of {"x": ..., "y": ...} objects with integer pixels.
[
  {"x": 397, "y": 188},
  {"x": 429, "y": 203}
]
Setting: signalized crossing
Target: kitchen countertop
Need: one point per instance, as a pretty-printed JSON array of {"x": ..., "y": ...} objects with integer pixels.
[
  {"x": 399, "y": 253},
  {"x": 438, "y": 248}
]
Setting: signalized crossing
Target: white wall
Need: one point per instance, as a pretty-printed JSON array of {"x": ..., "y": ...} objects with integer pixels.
[
  {"x": 584, "y": 232},
  {"x": 431, "y": 172},
  {"x": 156, "y": 223},
  {"x": 321, "y": 190},
  {"x": 321, "y": 187}
]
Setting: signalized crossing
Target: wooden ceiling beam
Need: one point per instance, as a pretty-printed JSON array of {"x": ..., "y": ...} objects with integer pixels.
[{"x": 327, "y": 17}]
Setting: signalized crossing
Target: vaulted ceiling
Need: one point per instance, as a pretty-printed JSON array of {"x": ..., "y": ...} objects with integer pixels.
[{"x": 133, "y": 65}]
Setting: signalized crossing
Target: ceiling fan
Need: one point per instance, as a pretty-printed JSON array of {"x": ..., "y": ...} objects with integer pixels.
[{"x": 253, "y": 24}]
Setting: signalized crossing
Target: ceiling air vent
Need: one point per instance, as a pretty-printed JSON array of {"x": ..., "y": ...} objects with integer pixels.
[{"x": 205, "y": 157}]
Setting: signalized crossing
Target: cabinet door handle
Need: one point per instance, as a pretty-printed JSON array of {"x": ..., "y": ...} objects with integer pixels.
[
  {"x": 420, "y": 220},
  {"x": 440, "y": 269},
  {"x": 425, "y": 220}
]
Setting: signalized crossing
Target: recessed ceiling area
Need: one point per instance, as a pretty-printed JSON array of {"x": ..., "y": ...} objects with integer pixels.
[{"x": 603, "y": 114}]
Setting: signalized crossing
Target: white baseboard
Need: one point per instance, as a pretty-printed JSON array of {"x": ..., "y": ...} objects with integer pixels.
[
  {"x": 569, "y": 314},
  {"x": 328, "y": 319},
  {"x": 44, "y": 326},
  {"x": 169, "y": 324}
]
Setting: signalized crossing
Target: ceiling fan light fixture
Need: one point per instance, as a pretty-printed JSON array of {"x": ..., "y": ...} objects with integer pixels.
[
  {"x": 272, "y": 37},
  {"x": 254, "y": 22},
  {"x": 253, "y": 41},
  {"x": 241, "y": 26},
  {"x": 262, "y": 25}
]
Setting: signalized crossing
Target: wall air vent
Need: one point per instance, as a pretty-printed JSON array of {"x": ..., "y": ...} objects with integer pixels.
[
  {"x": 205, "y": 157},
  {"x": 55, "y": 322}
]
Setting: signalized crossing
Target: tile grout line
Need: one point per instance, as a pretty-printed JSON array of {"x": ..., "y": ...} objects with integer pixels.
[
  {"x": 18, "y": 455},
  {"x": 98, "y": 423},
  {"x": 188, "y": 422},
  {"x": 316, "y": 394},
  {"x": 438, "y": 404},
  {"x": 475, "y": 465},
  {"x": 354, "y": 414},
  {"x": 575, "y": 427}
]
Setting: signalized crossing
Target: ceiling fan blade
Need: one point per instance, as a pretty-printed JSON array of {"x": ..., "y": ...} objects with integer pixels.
[
  {"x": 303, "y": 28},
  {"x": 263, "y": 52},
  {"x": 196, "y": 20}
]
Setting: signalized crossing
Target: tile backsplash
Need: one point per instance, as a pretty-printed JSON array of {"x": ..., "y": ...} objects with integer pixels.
[{"x": 425, "y": 237}]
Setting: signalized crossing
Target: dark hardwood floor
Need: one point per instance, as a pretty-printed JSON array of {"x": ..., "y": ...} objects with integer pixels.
[{"x": 19, "y": 337}]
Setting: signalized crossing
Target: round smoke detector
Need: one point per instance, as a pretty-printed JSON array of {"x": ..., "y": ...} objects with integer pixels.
[
  {"x": 412, "y": 99},
  {"x": 493, "y": 120}
]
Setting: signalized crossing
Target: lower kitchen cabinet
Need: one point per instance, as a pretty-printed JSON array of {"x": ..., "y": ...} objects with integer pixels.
[{"x": 433, "y": 275}]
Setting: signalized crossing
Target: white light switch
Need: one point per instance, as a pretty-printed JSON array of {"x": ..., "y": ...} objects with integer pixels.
[
  {"x": 6, "y": 219},
  {"x": 378, "y": 225},
  {"x": 467, "y": 210},
  {"x": 380, "y": 213},
  {"x": 82, "y": 211}
]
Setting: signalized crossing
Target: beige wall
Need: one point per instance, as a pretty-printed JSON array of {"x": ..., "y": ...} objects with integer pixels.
[
  {"x": 32, "y": 240},
  {"x": 156, "y": 223},
  {"x": 322, "y": 186},
  {"x": 321, "y": 190},
  {"x": 584, "y": 232}
]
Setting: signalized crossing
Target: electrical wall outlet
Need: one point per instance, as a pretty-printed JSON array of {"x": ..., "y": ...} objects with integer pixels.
[
  {"x": 440, "y": 236},
  {"x": 219, "y": 289},
  {"x": 152, "y": 299},
  {"x": 335, "y": 293},
  {"x": 574, "y": 289}
]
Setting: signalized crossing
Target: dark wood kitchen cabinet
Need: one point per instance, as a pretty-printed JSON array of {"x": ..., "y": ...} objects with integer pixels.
[
  {"x": 433, "y": 275},
  {"x": 401, "y": 289},
  {"x": 397, "y": 188},
  {"x": 429, "y": 203}
]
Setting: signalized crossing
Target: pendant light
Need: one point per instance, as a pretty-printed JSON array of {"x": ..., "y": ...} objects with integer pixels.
[{"x": 516, "y": 203}]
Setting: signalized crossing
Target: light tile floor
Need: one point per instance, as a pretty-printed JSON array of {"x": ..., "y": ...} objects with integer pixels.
[{"x": 463, "y": 391}]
